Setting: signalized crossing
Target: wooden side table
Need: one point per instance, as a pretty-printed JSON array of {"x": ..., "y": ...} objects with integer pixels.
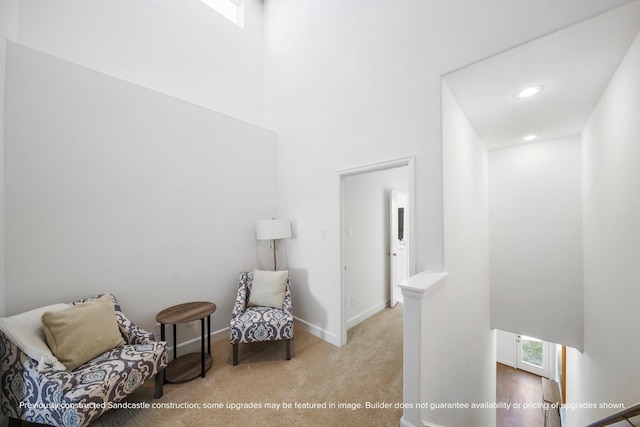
[{"x": 185, "y": 367}]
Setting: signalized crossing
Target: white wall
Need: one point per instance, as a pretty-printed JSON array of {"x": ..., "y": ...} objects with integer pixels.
[
  {"x": 346, "y": 84},
  {"x": 181, "y": 48},
  {"x": 354, "y": 83},
  {"x": 457, "y": 319},
  {"x": 506, "y": 348},
  {"x": 535, "y": 199},
  {"x": 111, "y": 187},
  {"x": 366, "y": 199},
  {"x": 608, "y": 370},
  {"x": 8, "y": 30}
]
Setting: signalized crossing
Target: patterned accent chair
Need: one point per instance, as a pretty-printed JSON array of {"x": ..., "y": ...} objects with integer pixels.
[
  {"x": 49, "y": 394},
  {"x": 257, "y": 323}
]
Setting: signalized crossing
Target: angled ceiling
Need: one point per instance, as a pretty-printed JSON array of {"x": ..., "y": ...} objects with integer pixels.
[{"x": 573, "y": 65}]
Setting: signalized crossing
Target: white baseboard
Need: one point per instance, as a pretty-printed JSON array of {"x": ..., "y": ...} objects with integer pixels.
[
  {"x": 330, "y": 337},
  {"x": 195, "y": 343},
  {"x": 505, "y": 362},
  {"x": 366, "y": 314},
  {"x": 405, "y": 423},
  {"x": 222, "y": 334}
]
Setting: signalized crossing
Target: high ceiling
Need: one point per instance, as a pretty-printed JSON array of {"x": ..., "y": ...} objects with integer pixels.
[{"x": 573, "y": 66}]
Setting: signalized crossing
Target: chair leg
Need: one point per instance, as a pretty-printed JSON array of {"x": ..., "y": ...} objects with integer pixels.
[
  {"x": 159, "y": 384},
  {"x": 288, "y": 346},
  {"x": 235, "y": 354}
]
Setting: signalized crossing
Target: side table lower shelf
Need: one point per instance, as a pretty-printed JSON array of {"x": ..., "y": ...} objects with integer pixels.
[
  {"x": 186, "y": 367},
  {"x": 192, "y": 365}
]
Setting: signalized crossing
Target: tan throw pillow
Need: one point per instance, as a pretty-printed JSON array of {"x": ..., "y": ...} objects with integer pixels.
[
  {"x": 81, "y": 332},
  {"x": 268, "y": 288}
]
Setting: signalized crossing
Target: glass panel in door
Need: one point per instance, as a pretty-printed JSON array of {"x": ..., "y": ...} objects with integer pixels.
[{"x": 533, "y": 355}]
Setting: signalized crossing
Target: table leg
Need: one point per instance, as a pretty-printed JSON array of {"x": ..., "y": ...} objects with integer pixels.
[
  {"x": 202, "y": 356},
  {"x": 209, "y": 334},
  {"x": 162, "y": 338},
  {"x": 175, "y": 343}
]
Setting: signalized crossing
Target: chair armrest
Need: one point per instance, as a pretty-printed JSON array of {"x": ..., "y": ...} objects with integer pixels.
[
  {"x": 240, "y": 305},
  {"x": 64, "y": 380},
  {"x": 132, "y": 334},
  {"x": 24, "y": 382},
  {"x": 286, "y": 305}
]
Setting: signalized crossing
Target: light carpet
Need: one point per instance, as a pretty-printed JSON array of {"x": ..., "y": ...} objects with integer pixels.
[{"x": 338, "y": 381}]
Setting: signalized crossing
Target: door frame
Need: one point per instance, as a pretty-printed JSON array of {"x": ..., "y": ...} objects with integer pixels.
[
  {"x": 507, "y": 352},
  {"x": 409, "y": 162}
]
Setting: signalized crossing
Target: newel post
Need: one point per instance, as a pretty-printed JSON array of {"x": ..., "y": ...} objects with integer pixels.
[{"x": 414, "y": 290}]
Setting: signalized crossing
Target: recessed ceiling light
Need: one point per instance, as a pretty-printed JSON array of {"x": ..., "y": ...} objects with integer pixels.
[
  {"x": 528, "y": 91},
  {"x": 530, "y": 137}
]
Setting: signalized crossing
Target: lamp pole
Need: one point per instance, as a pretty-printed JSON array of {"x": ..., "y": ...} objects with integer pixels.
[{"x": 274, "y": 256}]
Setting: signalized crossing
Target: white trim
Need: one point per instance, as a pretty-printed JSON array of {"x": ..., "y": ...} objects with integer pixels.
[
  {"x": 367, "y": 313},
  {"x": 414, "y": 290},
  {"x": 408, "y": 161},
  {"x": 506, "y": 363},
  {"x": 423, "y": 282},
  {"x": 218, "y": 335},
  {"x": 405, "y": 423},
  {"x": 318, "y": 331},
  {"x": 379, "y": 166},
  {"x": 222, "y": 334}
]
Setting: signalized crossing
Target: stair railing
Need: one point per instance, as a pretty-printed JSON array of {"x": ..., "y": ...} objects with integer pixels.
[{"x": 624, "y": 415}]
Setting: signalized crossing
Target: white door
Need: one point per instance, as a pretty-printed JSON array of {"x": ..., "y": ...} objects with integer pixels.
[
  {"x": 532, "y": 355},
  {"x": 393, "y": 249},
  {"x": 398, "y": 248}
]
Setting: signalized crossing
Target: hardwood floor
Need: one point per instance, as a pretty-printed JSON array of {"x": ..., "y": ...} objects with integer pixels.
[{"x": 524, "y": 389}]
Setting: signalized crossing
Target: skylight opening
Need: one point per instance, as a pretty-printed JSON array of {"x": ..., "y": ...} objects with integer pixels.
[{"x": 230, "y": 9}]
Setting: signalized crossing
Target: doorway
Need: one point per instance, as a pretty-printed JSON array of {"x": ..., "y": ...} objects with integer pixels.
[
  {"x": 367, "y": 224},
  {"x": 525, "y": 353}
]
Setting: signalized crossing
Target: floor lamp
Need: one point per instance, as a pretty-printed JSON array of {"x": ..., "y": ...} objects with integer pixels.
[{"x": 273, "y": 229}]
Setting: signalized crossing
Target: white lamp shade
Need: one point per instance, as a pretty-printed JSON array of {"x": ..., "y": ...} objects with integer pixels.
[{"x": 269, "y": 229}]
